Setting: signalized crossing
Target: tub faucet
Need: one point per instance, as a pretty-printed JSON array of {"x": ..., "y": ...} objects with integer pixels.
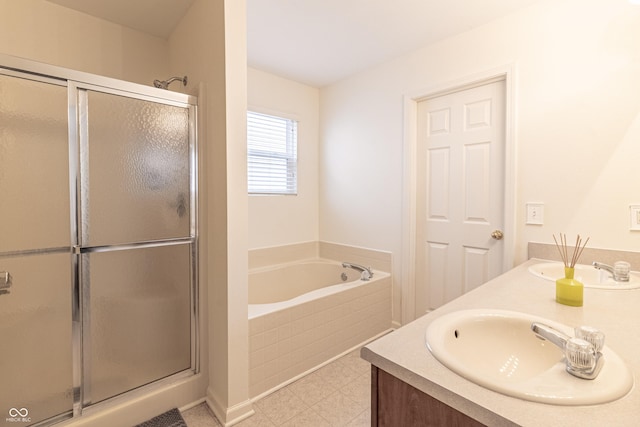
[
  {"x": 582, "y": 354},
  {"x": 619, "y": 271},
  {"x": 366, "y": 271}
]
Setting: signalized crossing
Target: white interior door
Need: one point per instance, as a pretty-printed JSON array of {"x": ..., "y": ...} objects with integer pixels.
[{"x": 460, "y": 203}]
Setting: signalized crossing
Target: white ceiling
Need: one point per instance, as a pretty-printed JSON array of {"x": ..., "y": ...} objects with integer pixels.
[
  {"x": 318, "y": 42},
  {"x": 321, "y": 41}
]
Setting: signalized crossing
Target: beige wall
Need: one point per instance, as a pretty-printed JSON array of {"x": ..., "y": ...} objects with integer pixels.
[
  {"x": 209, "y": 45},
  {"x": 283, "y": 220},
  {"x": 52, "y": 34},
  {"x": 577, "y": 127}
]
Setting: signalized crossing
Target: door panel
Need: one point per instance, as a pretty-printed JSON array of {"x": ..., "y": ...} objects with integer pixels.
[
  {"x": 136, "y": 174},
  {"x": 36, "y": 376},
  {"x": 477, "y": 159},
  {"x": 438, "y": 194},
  {"x": 475, "y": 267},
  {"x": 35, "y": 338},
  {"x": 460, "y": 193},
  {"x": 436, "y": 256},
  {"x": 139, "y": 319},
  {"x": 34, "y": 165}
]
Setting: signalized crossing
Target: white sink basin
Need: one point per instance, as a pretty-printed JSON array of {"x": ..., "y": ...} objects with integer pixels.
[
  {"x": 497, "y": 350},
  {"x": 587, "y": 274}
]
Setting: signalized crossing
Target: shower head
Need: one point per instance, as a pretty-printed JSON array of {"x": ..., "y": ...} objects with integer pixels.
[{"x": 164, "y": 84}]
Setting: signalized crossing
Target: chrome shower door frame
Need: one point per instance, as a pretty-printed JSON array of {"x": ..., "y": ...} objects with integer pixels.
[
  {"x": 79, "y": 140},
  {"x": 77, "y": 82},
  {"x": 12, "y": 69}
]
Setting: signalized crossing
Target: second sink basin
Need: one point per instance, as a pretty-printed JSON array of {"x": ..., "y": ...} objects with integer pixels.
[
  {"x": 587, "y": 274},
  {"x": 497, "y": 350}
]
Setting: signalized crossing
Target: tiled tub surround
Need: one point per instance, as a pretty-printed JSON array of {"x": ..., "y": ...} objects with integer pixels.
[
  {"x": 288, "y": 340},
  {"x": 276, "y": 255}
]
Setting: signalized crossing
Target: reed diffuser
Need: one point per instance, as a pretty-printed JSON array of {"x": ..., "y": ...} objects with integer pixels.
[{"x": 568, "y": 290}]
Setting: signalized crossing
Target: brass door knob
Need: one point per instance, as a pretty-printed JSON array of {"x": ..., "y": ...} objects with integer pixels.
[{"x": 497, "y": 234}]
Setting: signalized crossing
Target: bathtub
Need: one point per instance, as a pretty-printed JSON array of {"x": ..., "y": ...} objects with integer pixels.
[{"x": 303, "y": 315}]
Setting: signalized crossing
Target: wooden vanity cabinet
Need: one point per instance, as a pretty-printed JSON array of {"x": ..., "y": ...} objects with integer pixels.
[{"x": 395, "y": 403}]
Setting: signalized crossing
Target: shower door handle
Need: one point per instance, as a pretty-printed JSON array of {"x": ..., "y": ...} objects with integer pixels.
[{"x": 5, "y": 281}]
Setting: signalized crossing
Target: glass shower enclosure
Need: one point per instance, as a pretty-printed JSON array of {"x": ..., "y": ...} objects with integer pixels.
[{"x": 98, "y": 242}]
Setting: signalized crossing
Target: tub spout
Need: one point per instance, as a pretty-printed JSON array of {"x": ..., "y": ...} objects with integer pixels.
[{"x": 366, "y": 272}]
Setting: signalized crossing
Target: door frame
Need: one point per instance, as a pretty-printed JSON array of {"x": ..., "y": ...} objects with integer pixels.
[{"x": 409, "y": 180}]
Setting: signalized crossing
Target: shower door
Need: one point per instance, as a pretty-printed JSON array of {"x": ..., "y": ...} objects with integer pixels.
[
  {"x": 98, "y": 249},
  {"x": 136, "y": 240},
  {"x": 36, "y": 375}
]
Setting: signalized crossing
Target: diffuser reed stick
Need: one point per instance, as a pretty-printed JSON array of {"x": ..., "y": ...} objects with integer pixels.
[{"x": 564, "y": 252}]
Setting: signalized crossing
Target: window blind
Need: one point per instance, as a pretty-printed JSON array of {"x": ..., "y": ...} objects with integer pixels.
[{"x": 271, "y": 154}]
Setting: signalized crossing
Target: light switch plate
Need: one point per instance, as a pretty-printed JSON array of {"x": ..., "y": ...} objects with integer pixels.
[
  {"x": 535, "y": 213},
  {"x": 635, "y": 217}
]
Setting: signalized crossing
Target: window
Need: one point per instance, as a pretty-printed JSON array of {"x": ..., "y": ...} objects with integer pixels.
[{"x": 271, "y": 154}]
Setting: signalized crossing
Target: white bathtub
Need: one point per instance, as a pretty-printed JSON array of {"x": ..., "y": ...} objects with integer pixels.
[
  {"x": 280, "y": 287},
  {"x": 302, "y": 315}
]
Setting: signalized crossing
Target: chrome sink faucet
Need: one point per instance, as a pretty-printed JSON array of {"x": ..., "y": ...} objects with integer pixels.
[
  {"x": 619, "y": 271},
  {"x": 582, "y": 353},
  {"x": 366, "y": 272}
]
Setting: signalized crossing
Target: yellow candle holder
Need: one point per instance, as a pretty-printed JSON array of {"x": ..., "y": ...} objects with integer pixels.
[{"x": 568, "y": 290}]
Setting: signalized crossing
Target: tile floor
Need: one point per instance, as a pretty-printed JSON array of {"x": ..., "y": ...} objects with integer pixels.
[{"x": 337, "y": 394}]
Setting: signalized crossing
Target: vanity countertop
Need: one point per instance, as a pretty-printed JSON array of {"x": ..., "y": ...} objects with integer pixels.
[{"x": 403, "y": 353}]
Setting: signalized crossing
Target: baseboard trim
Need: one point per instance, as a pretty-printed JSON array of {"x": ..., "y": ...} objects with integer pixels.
[{"x": 231, "y": 415}]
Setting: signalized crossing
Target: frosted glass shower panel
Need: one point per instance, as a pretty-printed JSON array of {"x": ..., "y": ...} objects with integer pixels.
[
  {"x": 36, "y": 377},
  {"x": 139, "y": 312},
  {"x": 34, "y": 165},
  {"x": 137, "y": 184}
]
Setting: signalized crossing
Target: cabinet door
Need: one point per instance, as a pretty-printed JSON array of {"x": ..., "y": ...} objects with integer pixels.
[{"x": 396, "y": 403}]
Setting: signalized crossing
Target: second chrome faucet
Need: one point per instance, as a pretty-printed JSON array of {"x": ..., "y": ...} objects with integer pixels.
[{"x": 619, "y": 271}]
